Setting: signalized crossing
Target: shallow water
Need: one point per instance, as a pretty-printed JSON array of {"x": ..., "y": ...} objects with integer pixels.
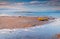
[{"x": 18, "y": 13}]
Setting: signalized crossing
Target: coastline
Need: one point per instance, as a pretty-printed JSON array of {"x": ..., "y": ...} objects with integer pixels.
[{"x": 12, "y": 22}]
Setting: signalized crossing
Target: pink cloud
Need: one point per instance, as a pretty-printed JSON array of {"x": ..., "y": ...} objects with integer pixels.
[
  {"x": 21, "y": 6},
  {"x": 3, "y": 3}
]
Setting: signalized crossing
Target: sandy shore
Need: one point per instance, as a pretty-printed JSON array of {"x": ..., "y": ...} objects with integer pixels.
[{"x": 20, "y": 22}]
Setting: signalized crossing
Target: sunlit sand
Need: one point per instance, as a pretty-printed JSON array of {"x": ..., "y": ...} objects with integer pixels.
[{"x": 20, "y": 21}]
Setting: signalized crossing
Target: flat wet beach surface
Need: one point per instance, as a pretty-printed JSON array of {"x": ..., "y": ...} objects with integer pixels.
[{"x": 10, "y": 22}]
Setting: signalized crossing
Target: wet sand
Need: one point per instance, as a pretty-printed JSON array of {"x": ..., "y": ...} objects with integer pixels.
[{"x": 11, "y": 22}]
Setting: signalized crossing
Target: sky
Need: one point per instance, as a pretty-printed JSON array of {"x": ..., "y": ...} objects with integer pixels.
[
  {"x": 25, "y": 0},
  {"x": 29, "y": 5},
  {"x": 22, "y": 0}
]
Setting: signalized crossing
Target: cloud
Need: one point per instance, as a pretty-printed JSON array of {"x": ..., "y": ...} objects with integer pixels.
[
  {"x": 34, "y": 2},
  {"x": 45, "y": 3},
  {"x": 30, "y": 6},
  {"x": 3, "y": 3},
  {"x": 6, "y": 5}
]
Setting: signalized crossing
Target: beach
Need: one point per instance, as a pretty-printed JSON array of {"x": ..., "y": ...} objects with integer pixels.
[{"x": 12, "y": 22}]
